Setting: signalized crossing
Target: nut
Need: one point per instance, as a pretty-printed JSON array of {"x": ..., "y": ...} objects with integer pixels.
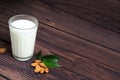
[
  {"x": 37, "y": 61},
  {"x": 2, "y": 50},
  {"x": 34, "y": 64},
  {"x": 42, "y": 64},
  {"x": 46, "y": 70},
  {"x": 42, "y": 70},
  {"x": 37, "y": 69}
]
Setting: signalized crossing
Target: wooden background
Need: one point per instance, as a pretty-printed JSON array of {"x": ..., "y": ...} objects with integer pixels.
[{"x": 84, "y": 33}]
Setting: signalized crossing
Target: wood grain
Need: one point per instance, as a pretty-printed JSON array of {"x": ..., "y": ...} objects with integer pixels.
[
  {"x": 23, "y": 70},
  {"x": 63, "y": 21},
  {"x": 97, "y": 16},
  {"x": 110, "y": 20},
  {"x": 14, "y": 69},
  {"x": 73, "y": 45},
  {"x": 86, "y": 50},
  {"x": 72, "y": 56},
  {"x": 87, "y": 67},
  {"x": 2, "y": 77},
  {"x": 95, "y": 11}
]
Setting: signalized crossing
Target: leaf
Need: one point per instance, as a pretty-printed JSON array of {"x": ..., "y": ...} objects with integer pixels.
[
  {"x": 49, "y": 60},
  {"x": 38, "y": 56},
  {"x": 53, "y": 58},
  {"x": 50, "y": 63}
]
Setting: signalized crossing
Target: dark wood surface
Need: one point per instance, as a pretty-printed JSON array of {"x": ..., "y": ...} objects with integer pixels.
[{"x": 84, "y": 33}]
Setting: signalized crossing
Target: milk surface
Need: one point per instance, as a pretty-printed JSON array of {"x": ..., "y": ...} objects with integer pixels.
[
  {"x": 23, "y": 34},
  {"x": 23, "y": 24}
]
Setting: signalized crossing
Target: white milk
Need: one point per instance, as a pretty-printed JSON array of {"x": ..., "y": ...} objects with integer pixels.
[{"x": 23, "y": 39}]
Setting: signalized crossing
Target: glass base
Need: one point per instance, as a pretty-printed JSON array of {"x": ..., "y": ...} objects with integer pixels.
[{"x": 22, "y": 59}]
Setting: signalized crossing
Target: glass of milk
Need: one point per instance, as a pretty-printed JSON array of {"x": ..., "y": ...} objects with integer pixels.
[{"x": 23, "y": 29}]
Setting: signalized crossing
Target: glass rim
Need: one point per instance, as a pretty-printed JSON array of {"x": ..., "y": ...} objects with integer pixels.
[{"x": 10, "y": 21}]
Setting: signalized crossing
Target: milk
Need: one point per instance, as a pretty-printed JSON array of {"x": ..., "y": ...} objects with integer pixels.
[{"x": 23, "y": 35}]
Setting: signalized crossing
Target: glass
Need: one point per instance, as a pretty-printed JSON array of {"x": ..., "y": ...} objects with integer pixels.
[{"x": 23, "y": 30}]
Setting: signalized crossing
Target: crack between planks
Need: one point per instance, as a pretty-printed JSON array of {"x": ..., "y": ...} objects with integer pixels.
[
  {"x": 75, "y": 36},
  {"x": 5, "y": 41},
  {"x": 62, "y": 67},
  {"x": 82, "y": 38},
  {"x": 77, "y": 73},
  {"x": 69, "y": 60},
  {"x": 70, "y": 14},
  {"x": 81, "y": 17},
  {"x": 114, "y": 69},
  {"x": 4, "y": 77},
  {"x": 68, "y": 50},
  {"x": 69, "y": 32}
]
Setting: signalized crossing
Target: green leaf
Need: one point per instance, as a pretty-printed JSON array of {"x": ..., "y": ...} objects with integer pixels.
[
  {"x": 38, "y": 56},
  {"x": 53, "y": 58},
  {"x": 50, "y": 63},
  {"x": 49, "y": 60}
]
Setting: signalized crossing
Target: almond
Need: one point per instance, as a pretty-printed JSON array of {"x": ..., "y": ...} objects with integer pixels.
[
  {"x": 42, "y": 64},
  {"x": 42, "y": 70},
  {"x": 37, "y": 61},
  {"x": 2, "y": 50},
  {"x": 46, "y": 70},
  {"x": 37, "y": 69},
  {"x": 34, "y": 64}
]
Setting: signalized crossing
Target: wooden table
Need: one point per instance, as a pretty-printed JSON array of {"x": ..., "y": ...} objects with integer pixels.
[{"x": 85, "y": 34}]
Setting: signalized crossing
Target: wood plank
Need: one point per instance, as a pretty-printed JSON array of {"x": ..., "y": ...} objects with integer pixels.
[
  {"x": 4, "y": 34},
  {"x": 93, "y": 69},
  {"x": 65, "y": 22},
  {"x": 77, "y": 46},
  {"x": 14, "y": 69},
  {"x": 87, "y": 67},
  {"x": 82, "y": 66},
  {"x": 22, "y": 70},
  {"x": 70, "y": 43},
  {"x": 100, "y": 17},
  {"x": 72, "y": 49},
  {"x": 3, "y": 77}
]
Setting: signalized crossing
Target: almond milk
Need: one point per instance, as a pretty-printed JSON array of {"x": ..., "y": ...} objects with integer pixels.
[{"x": 23, "y": 35}]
